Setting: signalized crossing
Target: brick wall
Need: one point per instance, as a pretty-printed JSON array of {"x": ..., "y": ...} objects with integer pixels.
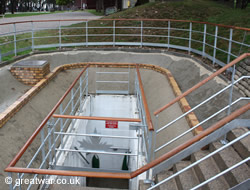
[{"x": 30, "y": 75}]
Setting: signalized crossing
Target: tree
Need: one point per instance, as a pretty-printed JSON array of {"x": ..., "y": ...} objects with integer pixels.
[
  {"x": 2, "y": 7},
  {"x": 64, "y": 2}
]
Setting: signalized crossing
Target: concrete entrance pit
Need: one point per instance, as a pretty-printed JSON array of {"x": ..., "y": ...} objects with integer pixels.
[
  {"x": 100, "y": 136},
  {"x": 106, "y": 145}
]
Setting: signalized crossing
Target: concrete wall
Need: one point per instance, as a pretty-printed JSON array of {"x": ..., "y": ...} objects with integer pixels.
[{"x": 243, "y": 69}]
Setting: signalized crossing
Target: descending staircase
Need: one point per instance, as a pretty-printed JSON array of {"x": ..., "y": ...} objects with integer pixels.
[{"x": 210, "y": 167}]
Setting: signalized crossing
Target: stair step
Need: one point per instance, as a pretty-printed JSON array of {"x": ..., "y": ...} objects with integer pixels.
[
  {"x": 170, "y": 185},
  {"x": 242, "y": 146},
  {"x": 73, "y": 187},
  {"x": 227, "y": 158},
  {"x": 207, "y": 169},
  {"x": 187, "y": 179},
  {"x": 143, "y": 186}
]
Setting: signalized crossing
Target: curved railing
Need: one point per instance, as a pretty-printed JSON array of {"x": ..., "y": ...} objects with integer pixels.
[{"x": 218, "y": 43}]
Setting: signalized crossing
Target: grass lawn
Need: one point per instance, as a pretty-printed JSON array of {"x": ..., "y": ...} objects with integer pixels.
[
  {"x": 93, "y": 11},
  {"x": 9, "y": 15}
]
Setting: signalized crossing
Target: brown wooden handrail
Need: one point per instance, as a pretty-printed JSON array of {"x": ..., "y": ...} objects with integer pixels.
[
  {"x": 195, "y": 139},
  {"x": 164, "y": 20},
  {"x": 202, "y": 82},
  {"x": 33, "y": 136},
  {"x": 144, "y": 101},
  {"x": 148, "y": 166},
  {"x": 69, "y": 173},
  {"x": 97, "y": 118}
]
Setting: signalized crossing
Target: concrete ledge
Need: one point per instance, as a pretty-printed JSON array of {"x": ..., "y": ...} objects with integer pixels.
[{"x": 17, "y": 105}]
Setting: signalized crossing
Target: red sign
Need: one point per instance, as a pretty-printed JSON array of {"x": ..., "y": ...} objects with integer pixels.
[{"x": 111, "y": 124}]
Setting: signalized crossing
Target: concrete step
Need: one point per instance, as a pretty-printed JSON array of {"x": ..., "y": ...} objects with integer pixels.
[
  {"x": 73, "y": 187},
  {"x": 207, "y": 169},
  {"x": 242, "y": 146},
  {"x": 143, "y": 186},
  {"x": 187, "y": 179},
  {"x": 227, "y": 158},
  {"x": 170, "y": 185}
]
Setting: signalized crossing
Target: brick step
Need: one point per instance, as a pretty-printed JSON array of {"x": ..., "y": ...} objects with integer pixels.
[
  {"x": 227, "y": 158},
  {"x": 242, "y": 146},
  {"x": 207, "y": 169},
  {"x": 187, "y": 179},
  {"x": 170, "y": 185}
]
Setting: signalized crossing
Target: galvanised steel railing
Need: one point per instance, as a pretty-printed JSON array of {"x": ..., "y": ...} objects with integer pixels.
[
  {"x": 59, "y": 126},
  {"x": 218, "y": 43}
]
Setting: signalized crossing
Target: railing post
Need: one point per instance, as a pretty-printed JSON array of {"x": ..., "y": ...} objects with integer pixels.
[
  {"x": 9, "y": 180},
  {"x": 204, "y": 40},
  {"x": 15, "y": 50},
  {"x": 190, "y": 37},
  {"x": 49, "y": 140},
  {"x": 86, "y": 31},
  {"x": 80, "y": 88},
  {"x": 72, "y": 100},
  {"x": 19, "y": 178},
  {"x": 154, "y": 145},
  {"x": 43, "y": 143},
  {"x": 148, "y": 177},
  {"x": 60, "y": 35},
  {"x": 230, "y": 46},
  {"x": 169, "y": 28},
  {"x": 224, "y": 140},
  {"x": 87, "y": 82},
  {"x": 32, "y": 35},
  {"x": 113, "y": 33},
  {"x": 54, "y": 141},
  {"x": 215, "y": 43},
  {"x": 61, "y": 122},
  {"x": 141, "y": 33}
]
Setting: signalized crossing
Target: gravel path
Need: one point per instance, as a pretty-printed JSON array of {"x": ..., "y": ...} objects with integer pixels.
[{"x": 57, "y": 16}]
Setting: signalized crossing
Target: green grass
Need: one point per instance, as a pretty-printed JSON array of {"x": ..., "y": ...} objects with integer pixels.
[
  {"x": 198, "y": 10},
  {"x": 8, "y": 15},
  {"x": 93, "y": 11}
]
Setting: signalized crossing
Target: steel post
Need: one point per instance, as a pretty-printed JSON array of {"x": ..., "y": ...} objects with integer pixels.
[
  {"x": 42, "y": 142},
  {"x": 9, "y": 180},
  {"x": 15, "y": 48},
  {"x": 204, "y": 40},
  {"x": 169, "y": 28},
  {"x": 60, "y": 35},
  {"x": 32, "y": 36},
  {"x": 86, "y": 29},
  {"x": 113, "y": 33},
  {"x": 190, "y": 37},
  {"x": 141, "y": 33},
  {"x": 215, "y": 43},
  {"x": 230, "y": 46}
]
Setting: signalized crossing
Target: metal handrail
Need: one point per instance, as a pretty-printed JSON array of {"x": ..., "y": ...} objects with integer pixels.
[
  {"x": 164, "y": 20},
  {"x": 198, "y": 161},
  {"x": 33, "y": 136},
  {"x": 218, "y": 72},
  {"x": 144, "y": 101},
  {"x": 141, "y": 170},
  {"x": 193, "y": 140},
  {"x": 97, "y": 118}
]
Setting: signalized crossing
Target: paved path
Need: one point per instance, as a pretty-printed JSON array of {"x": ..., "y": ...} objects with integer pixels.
[{"x": 57, "y": 16}]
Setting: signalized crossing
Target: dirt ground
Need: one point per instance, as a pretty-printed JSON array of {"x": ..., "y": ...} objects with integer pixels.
[{"x": 15, "y": 133}]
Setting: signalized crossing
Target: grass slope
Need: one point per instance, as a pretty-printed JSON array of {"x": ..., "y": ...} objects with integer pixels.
[{"x": 198, "y": 10}]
